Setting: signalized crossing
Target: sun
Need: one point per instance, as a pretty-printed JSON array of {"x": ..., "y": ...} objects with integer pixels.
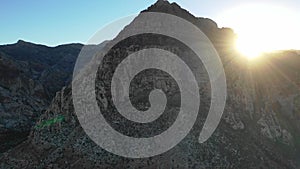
[
  {"x": 246, "y": 48},
  {"x": 263, "y": 28}
]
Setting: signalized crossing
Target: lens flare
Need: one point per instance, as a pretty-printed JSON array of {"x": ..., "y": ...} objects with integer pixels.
[{"x": 263, "y": 28}]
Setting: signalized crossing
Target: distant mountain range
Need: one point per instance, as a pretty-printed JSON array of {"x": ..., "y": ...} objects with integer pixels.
[{"x": 260, "y": 127}]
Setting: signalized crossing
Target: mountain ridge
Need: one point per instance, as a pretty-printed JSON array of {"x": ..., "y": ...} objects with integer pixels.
[{"x": 258, "y": 129}]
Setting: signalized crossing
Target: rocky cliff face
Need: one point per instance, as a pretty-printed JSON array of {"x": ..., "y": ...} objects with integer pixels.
[
  {"x": 259, "y": 127},
  {"x": 21, "y": 96},
  {"x": 30, "y": 75}
]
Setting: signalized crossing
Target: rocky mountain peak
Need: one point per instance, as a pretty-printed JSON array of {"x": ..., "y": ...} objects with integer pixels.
[
  {"x": 166, "y": 7},
  {"x": 162, "y": 2},
  {"x": 208, "y": 26},
  {"x": 21, "y": 41},
  {"x": 24, "y": 43}
]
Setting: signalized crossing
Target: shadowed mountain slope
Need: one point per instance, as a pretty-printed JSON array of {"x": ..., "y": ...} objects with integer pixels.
[{"x": 259, "y": 128}]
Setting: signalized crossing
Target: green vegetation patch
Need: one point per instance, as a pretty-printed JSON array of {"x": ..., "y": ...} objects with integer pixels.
[{"x": 50, "y": 122}]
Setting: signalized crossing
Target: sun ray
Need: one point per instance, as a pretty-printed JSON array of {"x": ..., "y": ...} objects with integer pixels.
[{"x": 283, "y": 75}]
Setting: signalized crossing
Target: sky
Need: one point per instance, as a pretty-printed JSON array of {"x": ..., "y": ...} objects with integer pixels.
[{"x": 54, "y": 22}]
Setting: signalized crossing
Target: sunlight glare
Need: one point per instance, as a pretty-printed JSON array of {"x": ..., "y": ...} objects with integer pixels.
[{"x": 263, "y": 28}]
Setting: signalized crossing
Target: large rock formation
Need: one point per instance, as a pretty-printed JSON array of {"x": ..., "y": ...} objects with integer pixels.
[{"x": 259, "y": 129}]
